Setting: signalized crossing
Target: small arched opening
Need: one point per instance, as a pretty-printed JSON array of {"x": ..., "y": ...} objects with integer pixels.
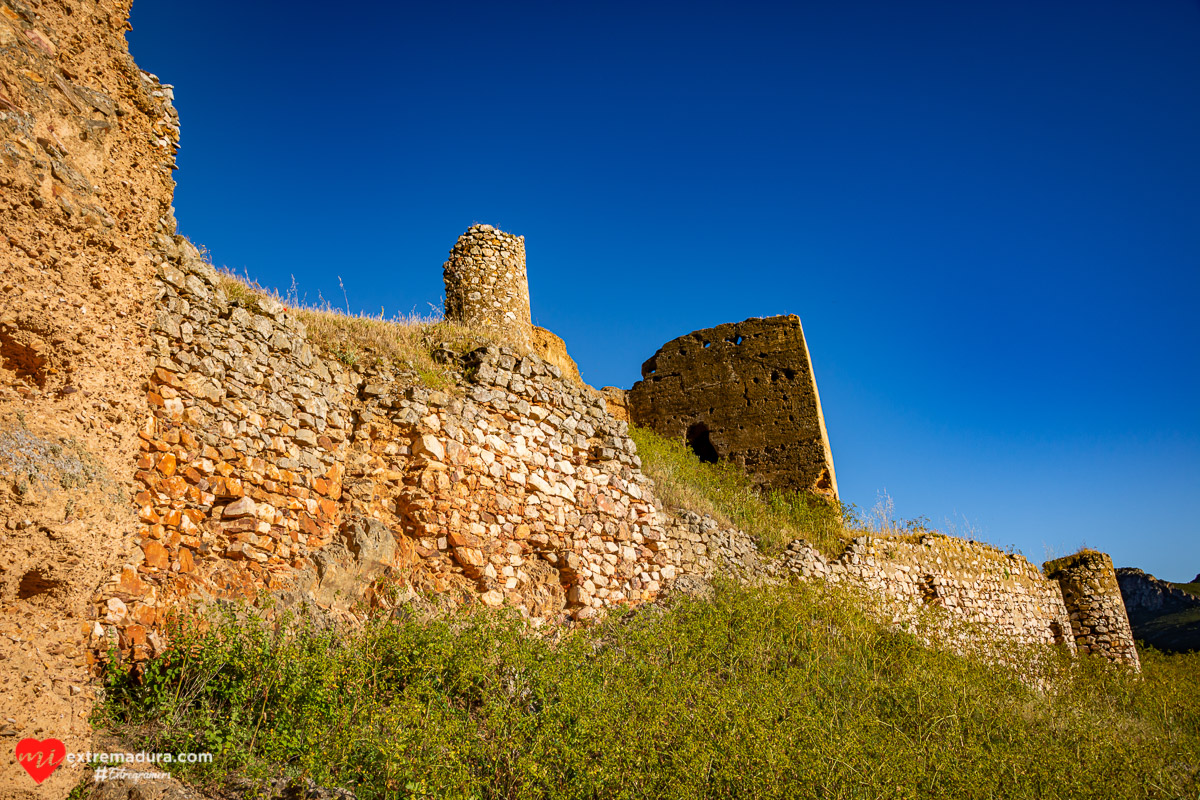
[{"x": 701, "y": 444}]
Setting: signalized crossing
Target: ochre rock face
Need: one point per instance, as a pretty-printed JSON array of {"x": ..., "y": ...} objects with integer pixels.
[
  {"x": 616, "y": 401},
  {"x": 744, "y": 392},
  {"x": 550, "y": 347},
  {"x": 87, "y": 147}
]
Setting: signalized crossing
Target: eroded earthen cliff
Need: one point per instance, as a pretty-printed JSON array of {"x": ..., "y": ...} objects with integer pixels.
[{"x": 86, "y": 156}]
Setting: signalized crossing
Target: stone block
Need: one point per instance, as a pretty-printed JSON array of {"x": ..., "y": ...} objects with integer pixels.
[{"x": 429, "y": 446}]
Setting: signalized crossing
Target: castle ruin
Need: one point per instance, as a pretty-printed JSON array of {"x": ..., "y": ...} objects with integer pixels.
[
  {"x": 487, "y": 288},
  {"x": 257, "y": 464}
]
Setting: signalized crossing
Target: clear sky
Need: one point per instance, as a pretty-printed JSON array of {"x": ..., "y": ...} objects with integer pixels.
[{"x": 986, "y": 213}]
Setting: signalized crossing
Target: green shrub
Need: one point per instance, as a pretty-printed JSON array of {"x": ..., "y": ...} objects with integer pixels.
[{"x": 760, "y": 693}]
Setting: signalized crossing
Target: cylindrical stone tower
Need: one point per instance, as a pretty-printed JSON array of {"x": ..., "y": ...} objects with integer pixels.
[
  {"x": 486, "y": 285},
  {"x": 1093, "y": 599}
]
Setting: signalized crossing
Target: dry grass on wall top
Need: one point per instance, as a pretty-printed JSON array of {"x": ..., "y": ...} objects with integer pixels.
[{"x": 361, "y": 340}]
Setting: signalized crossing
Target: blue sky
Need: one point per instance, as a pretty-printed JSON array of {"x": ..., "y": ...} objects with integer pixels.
[{"x": 986, "y": 214}]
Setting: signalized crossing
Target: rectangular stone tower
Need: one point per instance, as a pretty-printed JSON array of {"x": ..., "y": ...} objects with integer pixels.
[{"x": 744, "y": 392}]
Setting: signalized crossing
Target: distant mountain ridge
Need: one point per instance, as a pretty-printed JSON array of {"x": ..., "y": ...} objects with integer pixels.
[{"x": 1161, "y": 614}]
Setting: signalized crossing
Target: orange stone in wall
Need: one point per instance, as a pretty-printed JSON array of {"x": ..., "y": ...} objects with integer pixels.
[
  {"x": 133, "y": 636},
  {"x": 309, "y": 525},
  {"x": 156, "y": 554},
  {"x": 131, "y": 584},
  {"x": 165, "y": 376},
  {"x": 144, "y": 614},
  {"x": 174, "y": 487}
]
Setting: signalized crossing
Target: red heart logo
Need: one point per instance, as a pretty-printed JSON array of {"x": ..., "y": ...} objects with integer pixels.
[{"x": 40, "y": 758}]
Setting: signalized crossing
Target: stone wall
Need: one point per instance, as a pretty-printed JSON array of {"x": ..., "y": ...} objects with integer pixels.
[
  {"x": 1007, "y": 598},
  {"x": 743, "y": 392},
  {"x": 266, "y": 467},
  {"x": 258, "y": 457},
  {"x": 519, "y": 483},
  {"x": 242, "y": 453},
  {"x": 1002, "y": 598},
  {"x": 486, "y": 284},
  {"x": 1093, "y": 599}
]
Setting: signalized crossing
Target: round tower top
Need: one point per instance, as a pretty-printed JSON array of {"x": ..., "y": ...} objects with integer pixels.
[{"x": 486, "y": 284}]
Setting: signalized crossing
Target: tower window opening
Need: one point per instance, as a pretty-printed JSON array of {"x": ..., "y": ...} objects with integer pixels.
[{"x": 701, "y": 444}]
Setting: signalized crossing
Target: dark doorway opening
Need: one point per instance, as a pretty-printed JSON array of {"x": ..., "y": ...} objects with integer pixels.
[{"x": 701, "y": 444}]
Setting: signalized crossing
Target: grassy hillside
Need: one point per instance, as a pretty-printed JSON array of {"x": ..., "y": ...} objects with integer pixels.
[
  {"x": 758, "y": 694},
  {"x": 774, "y": 519},
  {"x": 1176, "y": 633}
]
